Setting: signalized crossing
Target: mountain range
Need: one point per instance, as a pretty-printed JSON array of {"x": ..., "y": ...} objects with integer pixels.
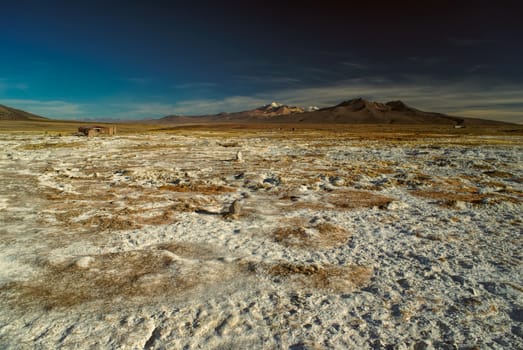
[{"x": 354, "y": 111}]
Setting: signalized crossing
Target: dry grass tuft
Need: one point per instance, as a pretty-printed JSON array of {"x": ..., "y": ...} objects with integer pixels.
[
  {"x": 50, "y": 145},
  {"x": 126, "y": 274},
  {"x": 453, "y": 192},
  {"x": 451, "y": 199},
  {"x": 315, "y": 206},
  {"x": 345, "y": 200},
  {"x": 110, "y": 223},
  {"x": 192, "y": 204},
  {"x": 110, "y": 217},
  {"x": 168, "y": 216},
  {"x": 63, "y": 196},
  {"x": 456, "y": 184},
  {"x": 163, "y": 271},
  {"x": 330, "y": 277},
  {"x": 198, "y": 188},
  {"x": 500, "y": 174},
  {"x": 332, "y": 235},
  {"x": 352, "y": 199},
  {"x": 321, "y": 236},
  {"x": 292, "y": 236}
]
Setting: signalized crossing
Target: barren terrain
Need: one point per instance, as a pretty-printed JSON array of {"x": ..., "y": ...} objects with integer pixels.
[{"x": 336, "y": 240}]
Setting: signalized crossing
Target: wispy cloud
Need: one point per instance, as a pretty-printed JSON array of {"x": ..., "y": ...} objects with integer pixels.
[
  {"x": 6, "y": 84},
  {"x": 355, "y": 65},
  {"x": 464, "y": 98},
  {"x": 146, "y": 110},
  {"x": 471, "y": 98},
  {"x": 51, "y": 109},
  {"x": 140, "y": 110},
  {"x": 228, "y": 104}
]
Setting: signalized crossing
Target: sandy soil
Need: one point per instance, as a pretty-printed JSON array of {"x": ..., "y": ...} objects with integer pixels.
[{"x": 286, "y": 240}]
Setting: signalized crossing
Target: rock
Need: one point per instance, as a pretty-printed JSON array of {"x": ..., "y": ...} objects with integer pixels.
[
  {"x": 239, "y": 156},
  {"x": 517, "y": 330},
  {"x": 84, "y": 262},
  {"x": 516, "y": 314},
  {"x": 404, "y": 283},
  {"x": 397, "y": 205},
  {"x": 168, "y": 257},
  {"x": 492, "y": 287},
  {"x": 235, "y": 207},
  {"x": 421, "y": 345},
  {"x": 273, "y": 181},
  {"x": 337, "y": 181},
  {"x": 234, "y": 210},
  {"x": 458, "y": 279},
  {"x": 460, "y": 205}
]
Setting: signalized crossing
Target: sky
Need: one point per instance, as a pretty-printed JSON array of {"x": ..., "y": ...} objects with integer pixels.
[{"x": 148, "y": 59}]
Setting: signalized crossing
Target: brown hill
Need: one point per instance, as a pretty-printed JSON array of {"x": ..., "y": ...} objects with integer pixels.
[
  {"x": 268, "y": 113},
  {"x": 8, "y": 113},
  {"x": 355, "y": 111},
  {"x": 360, "y": 111}
]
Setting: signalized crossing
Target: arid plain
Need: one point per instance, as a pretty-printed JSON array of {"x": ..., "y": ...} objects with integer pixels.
[{"x": 261, "y": 237}]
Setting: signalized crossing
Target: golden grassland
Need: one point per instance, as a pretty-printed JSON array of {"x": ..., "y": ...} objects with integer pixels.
[{"x": 280, "y": 130}]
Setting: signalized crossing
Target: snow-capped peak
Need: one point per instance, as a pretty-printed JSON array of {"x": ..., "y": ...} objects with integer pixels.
[{"x": 275, "y": 104}]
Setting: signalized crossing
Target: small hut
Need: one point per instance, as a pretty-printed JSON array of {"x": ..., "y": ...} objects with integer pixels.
[{"x": 96, "y": 130}]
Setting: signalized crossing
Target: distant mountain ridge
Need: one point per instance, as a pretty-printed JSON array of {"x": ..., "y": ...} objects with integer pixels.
[
  {"x": 361, "y": 111},
  {"x": 276, "y": 109},
  {"x": 353, "y": 111},
  {"x": 8, "y": 113},
  {"x": 267, "y": 112}
]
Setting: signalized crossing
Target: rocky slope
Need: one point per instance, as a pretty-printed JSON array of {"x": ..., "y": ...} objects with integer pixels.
[
  {"x": 8, "y": 113},
  {"x": 270, "y": 112}
]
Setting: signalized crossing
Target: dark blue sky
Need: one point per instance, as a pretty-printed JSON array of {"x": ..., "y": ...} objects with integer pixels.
[{"x": 144, "y": 59}]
